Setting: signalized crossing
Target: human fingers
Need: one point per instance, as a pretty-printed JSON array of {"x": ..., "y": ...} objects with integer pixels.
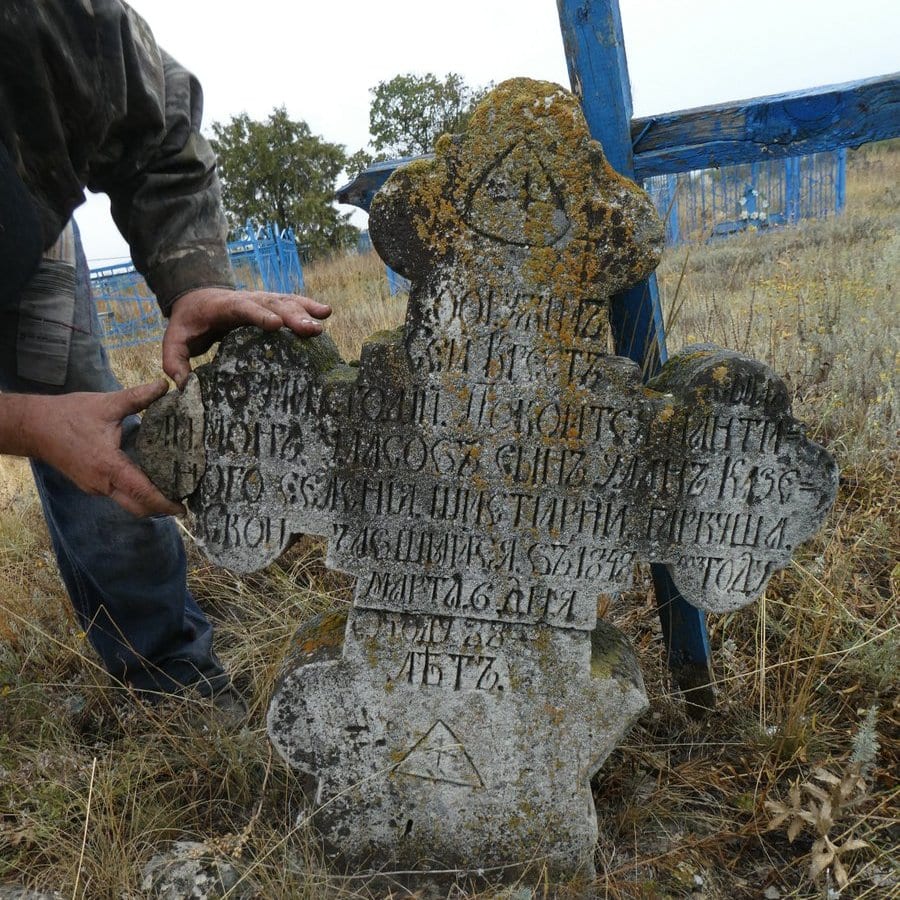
[
  {"x": 134, "y": 491},
  {"x": 176, "y": 357},
  {"x": 277, "y": 302},
  {"x": 132, "y": 400},
  {"x": 201, "y": 317},
  {"x": 302, "y": 315},
  {"x": 215, "y": 311}
]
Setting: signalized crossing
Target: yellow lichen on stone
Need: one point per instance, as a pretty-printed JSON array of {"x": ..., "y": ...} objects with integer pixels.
[
  {"x": 526, "y": 186},
  {"x": 325, "y": 632}
]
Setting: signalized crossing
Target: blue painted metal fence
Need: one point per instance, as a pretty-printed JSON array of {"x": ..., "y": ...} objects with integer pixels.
[
  {"x": 263, "y": 258},
  {"x": 127, "y": 309},
  {"x": 702, "y": 205},
  {"x": 266, "y": 258}
]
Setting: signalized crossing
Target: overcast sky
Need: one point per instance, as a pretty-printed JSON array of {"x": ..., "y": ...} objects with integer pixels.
[{"x": 320, "y": 58}]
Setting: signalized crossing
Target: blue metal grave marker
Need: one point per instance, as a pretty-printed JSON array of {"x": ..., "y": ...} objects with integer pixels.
[
  {"x": 747, "y": 131},
  {"x": 598, "y": 70}
]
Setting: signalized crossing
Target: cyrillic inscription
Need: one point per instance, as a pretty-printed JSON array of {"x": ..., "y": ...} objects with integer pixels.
[{"x": 485, "y": 473}]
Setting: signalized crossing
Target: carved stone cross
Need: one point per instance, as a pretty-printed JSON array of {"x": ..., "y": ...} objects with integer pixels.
[{"x": 485, "y": 473}]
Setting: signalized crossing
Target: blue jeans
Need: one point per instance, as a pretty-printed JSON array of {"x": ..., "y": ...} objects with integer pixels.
[{"x": 126, "y": 577}]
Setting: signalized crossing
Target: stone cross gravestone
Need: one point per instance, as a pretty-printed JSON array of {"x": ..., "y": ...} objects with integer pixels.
[{"x": 485, "y": 472}]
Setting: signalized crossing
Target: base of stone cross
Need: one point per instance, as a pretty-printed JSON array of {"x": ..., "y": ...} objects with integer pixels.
[{"x": 454, "y": 786}]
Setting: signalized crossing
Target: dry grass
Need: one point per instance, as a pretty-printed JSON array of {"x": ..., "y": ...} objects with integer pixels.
[
  {"x": 682, "y": 806},
  {"x": 357, "y": 289}
]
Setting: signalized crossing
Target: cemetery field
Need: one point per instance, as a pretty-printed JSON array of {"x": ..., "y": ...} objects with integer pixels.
[{"x": 787, "y": 789}]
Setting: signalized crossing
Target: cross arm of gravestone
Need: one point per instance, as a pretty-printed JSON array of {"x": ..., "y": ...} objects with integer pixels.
[
  {"x": 249, "y": 444},
  {"x": 499, "y": 395},
  {"x": 733, "y": 485}
]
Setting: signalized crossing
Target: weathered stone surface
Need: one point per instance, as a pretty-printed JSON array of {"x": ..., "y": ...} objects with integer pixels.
[
  {"x": 170, "y": 444},
  {"x": 189, "y": 870},
  {"x": 446, "y": 742},
  {"x": 13, "y": 892},
  {"x": 264, "y": 443},
  {"x": 485, "y": 472}
]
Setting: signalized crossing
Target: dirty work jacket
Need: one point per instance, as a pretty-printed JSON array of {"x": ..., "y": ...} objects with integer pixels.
[{"x": 88, "y": 99}]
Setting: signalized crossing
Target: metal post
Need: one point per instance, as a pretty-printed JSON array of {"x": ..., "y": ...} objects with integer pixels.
[
  {"x": 598, "y": 71},
  {"x": 792, "y": 189},
  {"x": 393, "y": 279},
  {"x": 671, "y": 211},
  {"x": 290, "y": 258},
  {"x": 256, "y": 253},
  {"x": 707, "y": 222},
  {"x": 753, "y": 199},
  {"x": 840, "y": 181}
]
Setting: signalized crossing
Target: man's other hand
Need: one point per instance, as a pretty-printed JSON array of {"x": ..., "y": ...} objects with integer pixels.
[
  {"x": 200, "y": 318},
  {"x": 79, "y": 434}
]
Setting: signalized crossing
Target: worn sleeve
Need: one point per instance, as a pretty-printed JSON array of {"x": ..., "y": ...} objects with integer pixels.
[
  {"x": 157, "y": 168},
  {"x": 88, "y": 99}
]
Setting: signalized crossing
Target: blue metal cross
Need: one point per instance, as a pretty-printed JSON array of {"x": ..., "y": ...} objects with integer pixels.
[
  {"x": 748, "y": 131},
  {"x": 598, "y": 71},
  {"x": 783, "y": 125}
]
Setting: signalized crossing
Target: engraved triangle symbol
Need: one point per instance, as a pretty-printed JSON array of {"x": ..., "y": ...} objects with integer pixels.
[{"x": 440, "y": 756}]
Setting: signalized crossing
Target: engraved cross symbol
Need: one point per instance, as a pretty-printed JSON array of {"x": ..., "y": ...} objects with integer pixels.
[{"x": 439, "y": 750}]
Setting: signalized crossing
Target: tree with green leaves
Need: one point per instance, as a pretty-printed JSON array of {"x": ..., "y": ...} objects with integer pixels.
[
  {"x": 410, "y": 112},
  {"x": 360, "y": 161},
  {"x": 278, "y": 171}
]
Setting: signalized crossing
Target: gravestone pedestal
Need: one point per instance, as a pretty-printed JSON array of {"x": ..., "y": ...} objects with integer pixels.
[
  {"x": 486, "y": 472},
  {"x": 446, "y": 743}
]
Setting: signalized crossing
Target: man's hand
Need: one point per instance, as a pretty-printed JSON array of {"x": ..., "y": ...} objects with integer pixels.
[
  {"x": 200, "y": 318},
  {"x": 79, "y": 434}
]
